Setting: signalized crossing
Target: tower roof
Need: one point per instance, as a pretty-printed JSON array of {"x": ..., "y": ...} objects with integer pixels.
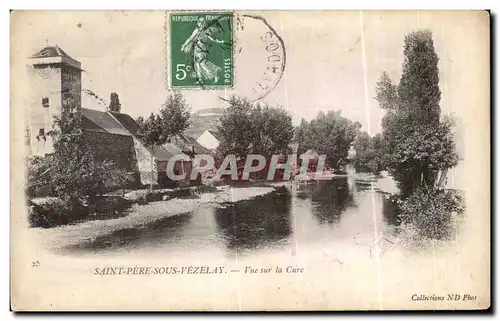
[
  {"x": 53, "y": 55},
  {"x": 51, "y": 51}
]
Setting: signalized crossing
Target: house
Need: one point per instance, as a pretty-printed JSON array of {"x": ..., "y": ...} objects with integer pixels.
[
  {"x": 209, "y": 139},
  {"x": 313, "y": 157},
  {"x": 113, "y": 136},
  {"x": 55, "y": 80},
  {"x": 351, "y": 153},
  {"x": 189, "y": 145}
]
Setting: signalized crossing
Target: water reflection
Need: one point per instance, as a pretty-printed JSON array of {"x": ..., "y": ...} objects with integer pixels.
[
  {"x": 329, "y": 199},
  {"x": 389, "y": 211},
  {"x": 308, "y": 214},
  {"x": 260, "y": 222}
]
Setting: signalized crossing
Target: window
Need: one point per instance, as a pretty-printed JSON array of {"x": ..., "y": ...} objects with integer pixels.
[
  {"x": 27, "y": 137},
  {"x": 41, "y": 134},
  {"x": 45, "y": 102}
]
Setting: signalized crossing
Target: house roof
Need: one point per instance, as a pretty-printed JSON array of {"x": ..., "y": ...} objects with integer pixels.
[
  {"x": 127, "y": 121},
  {"x": 215, "y": 134},
  {"x": 187, "y": 143},
  {"x": 103, "y": 122},
  {"x": 171, "y": 148},
  {"x": 162, "y": 153},
  {"x": 198, "y": 148},
  {"x": 122, "y": 124}
]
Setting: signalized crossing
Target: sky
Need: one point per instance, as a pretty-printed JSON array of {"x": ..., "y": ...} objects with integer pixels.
[{"x": 333, "y": 59}]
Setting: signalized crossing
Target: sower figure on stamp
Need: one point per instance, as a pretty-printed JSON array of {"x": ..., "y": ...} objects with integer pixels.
[{"x": 198, "y": 42}]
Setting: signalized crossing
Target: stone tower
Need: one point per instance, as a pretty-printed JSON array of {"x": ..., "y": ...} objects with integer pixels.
[{"x": 55, "y": 83}]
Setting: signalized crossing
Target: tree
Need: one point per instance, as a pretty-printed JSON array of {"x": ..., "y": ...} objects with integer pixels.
[
  {"x": 368, "y": 153},
  {"x": 417, "y": 143},
  {"x": 329, "y": 134},
  {"x": 364, "y": 152},
  {"x": 71, "y": 170},
  {"x": 173, "y": 119},
  {"x": 378, "y": 148},
  {"x": 114, "y": 103},
  {"x": 387, "y": 93},
  {"x": 247, "y": 128},
  {"x": 39, "y": 170},
  {"x": 175, "y": 115},
  {"x": 151, "y": 133},
  {"x": 100, "y": 100}
]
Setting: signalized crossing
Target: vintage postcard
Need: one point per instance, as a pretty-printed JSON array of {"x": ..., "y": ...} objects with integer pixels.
[{"x": 220, "y": 160}]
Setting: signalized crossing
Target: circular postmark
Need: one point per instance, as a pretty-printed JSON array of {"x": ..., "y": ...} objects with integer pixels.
[
  {"x": 260, "y": 57},
  {"x": 241, "y": 54}
]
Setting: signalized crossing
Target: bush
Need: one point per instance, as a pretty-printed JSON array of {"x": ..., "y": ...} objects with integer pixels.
[
  {"x": 430, "y": 212},
  {"x": 106, "y": 207},
  {"x": 53, "y": 212},
  {"x": 39, "y": 180}
]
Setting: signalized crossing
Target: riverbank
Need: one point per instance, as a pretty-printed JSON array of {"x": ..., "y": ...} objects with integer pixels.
[{"x": 141, "y": 215}]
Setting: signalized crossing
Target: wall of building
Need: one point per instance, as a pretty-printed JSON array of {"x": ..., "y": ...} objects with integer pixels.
[
  {"x": 116, "y": 148},
  {"x": 207, "y": 140},
  {"x": 44, "y": 82},
  {"x": 58, "y": 84},
  {"x": 180, "y": 167},
  {"x": 160, "y": 178},
  {"x": 143, "y": 162},
  {"x": 71, "y": 87}
]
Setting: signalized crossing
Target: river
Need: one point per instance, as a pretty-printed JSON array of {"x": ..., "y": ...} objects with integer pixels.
[{"x": 287, "y": 220}]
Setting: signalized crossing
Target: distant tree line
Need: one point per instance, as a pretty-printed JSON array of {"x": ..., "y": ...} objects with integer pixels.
[
  {"x": 368, "y": 151},
  {"x": 328, "y": 134}
]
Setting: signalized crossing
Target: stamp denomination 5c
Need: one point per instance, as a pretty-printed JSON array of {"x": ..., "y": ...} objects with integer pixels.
[{"x": 200, "y": 47}]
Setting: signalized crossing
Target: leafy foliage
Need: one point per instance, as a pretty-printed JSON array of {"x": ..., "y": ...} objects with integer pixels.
[
  {"x": 430, "y": 211},
  {"x": 114, "y": 103},
  {"x": 72, "y": 168},
  {"x": 151, "y": 131},
  {"x": 39, "y": 179},
  {"x": 417, "y": 143},
  {"x": 172, "y": 119},
  {"x": 254, "y": 129},
  {"x": 70, "y": 172},
  {"x": 53, "y": 211},
  {"x": 175, "y": 115},
  {"x": 329, "y": 134},
  {"x": 368, "y": 153},
  {"x": 92, "y": 94},
  {"x": 156, "y": 130}
]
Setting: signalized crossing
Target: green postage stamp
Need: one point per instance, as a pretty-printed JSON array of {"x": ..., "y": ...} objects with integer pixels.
[{"x": 200, "y": 48}]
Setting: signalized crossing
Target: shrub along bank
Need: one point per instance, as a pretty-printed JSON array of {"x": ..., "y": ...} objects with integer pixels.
[{"x": 52, "y": 211}]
